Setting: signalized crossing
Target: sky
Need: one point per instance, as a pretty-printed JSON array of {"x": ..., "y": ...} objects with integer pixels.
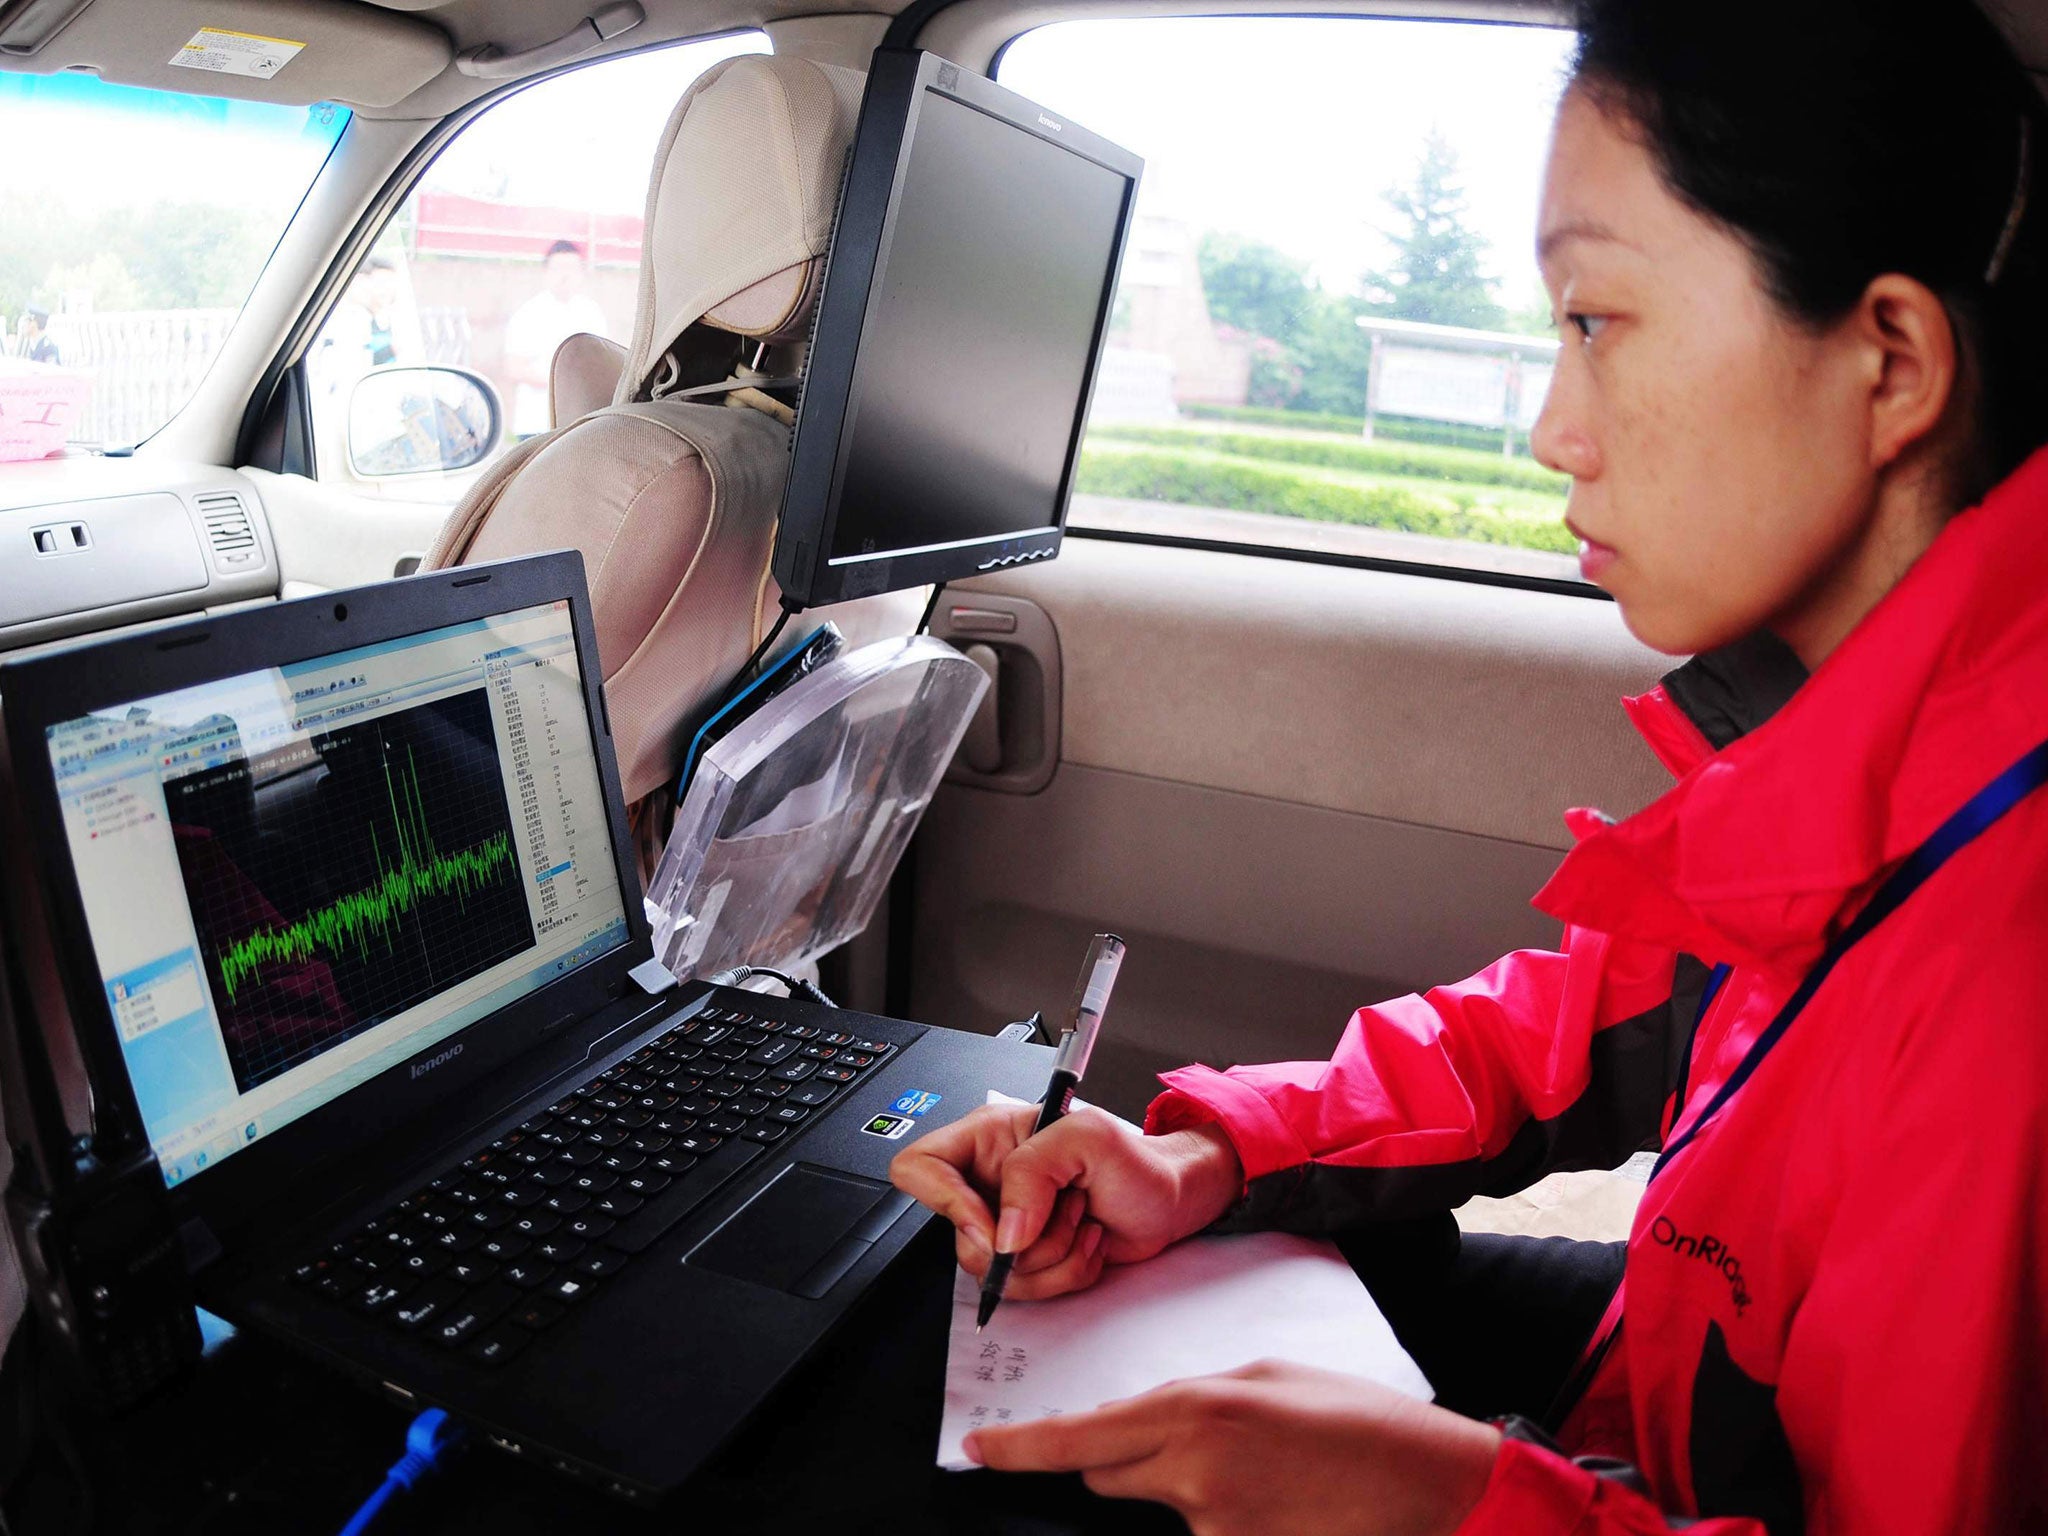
[
  {"x": 585, "y": 139},
  {"x": 74, "y": 136},
  {"x": 1289, "y": 129}
]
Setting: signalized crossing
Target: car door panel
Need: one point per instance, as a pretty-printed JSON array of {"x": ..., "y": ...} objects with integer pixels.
[
  {"x": 1293, "y": 787},
  {"x": 328, "y": 537}
]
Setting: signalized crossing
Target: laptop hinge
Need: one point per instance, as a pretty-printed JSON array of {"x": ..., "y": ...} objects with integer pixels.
[{"x": 198, "y": 1243}]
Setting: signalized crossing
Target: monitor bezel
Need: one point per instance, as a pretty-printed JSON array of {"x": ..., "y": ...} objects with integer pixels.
[
  {"x": 49, "y": 689},
  {"x": 898, "y": 83}
]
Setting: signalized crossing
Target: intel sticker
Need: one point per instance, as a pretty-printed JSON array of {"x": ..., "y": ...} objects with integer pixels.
[
  {"x": 888, "y": 1127},
  {"x": 916, "y": 1103}
]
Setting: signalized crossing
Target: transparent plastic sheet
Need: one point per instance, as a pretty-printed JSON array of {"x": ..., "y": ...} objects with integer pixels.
[{"x": 793, "y": 823}]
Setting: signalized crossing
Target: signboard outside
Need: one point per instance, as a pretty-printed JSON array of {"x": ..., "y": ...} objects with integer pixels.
[{"x": 1466, "y": 387}]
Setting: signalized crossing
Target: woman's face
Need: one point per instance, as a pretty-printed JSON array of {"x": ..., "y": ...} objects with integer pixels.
[{"x": 1718, "y": 449}]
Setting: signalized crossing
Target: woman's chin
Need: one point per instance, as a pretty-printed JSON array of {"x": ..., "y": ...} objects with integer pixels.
[{"x": 1661, "y": 629}]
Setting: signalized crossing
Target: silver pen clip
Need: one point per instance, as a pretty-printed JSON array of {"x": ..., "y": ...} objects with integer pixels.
[{"x": 1091, "y": 1001}]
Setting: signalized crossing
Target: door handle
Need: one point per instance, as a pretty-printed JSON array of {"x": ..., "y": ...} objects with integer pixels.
[
  {"x": 490, "y": 62},
  {"x": 1013, "y": 741},
  {"x": 982, "y": 747}
]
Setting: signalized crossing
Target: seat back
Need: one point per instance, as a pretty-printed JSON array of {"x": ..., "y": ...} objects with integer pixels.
[
  {"x": 673, "y": 503},
  {"x": 673, "y": 498}
]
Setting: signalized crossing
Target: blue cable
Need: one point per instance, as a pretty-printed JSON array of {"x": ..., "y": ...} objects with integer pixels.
[{"x": 429, "y": 1437}]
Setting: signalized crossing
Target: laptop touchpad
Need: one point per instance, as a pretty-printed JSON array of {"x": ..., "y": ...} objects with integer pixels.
[{"x": 802, "y": 1232}]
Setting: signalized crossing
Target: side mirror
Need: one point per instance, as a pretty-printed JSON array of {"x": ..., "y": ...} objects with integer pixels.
[{"x": 418, "y": 421}]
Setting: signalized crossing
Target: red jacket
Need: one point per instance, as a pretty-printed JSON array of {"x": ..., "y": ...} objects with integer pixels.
[{"x": 1836, "y": 1298}]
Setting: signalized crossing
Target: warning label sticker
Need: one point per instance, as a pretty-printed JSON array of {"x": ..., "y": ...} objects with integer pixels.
[{"x": 236, "y": 53}]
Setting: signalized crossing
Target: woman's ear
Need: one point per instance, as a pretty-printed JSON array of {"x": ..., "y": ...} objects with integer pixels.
[{"x": 1912, "y": 343}]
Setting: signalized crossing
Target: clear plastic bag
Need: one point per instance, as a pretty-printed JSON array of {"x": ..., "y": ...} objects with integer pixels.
[{"x": 792, "y": 825}]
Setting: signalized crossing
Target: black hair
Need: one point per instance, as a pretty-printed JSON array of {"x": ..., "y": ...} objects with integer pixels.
[
  {"x": 1845, "y": 139},
  {"x": 561, "y": 246},
  {"x": 380, "y": 264}
]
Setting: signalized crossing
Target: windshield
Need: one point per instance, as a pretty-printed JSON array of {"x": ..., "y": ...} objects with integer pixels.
[{"x": 132, "y": 229}]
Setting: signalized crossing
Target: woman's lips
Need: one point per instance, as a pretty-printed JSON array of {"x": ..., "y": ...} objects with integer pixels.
[{"x": 1594, "y": 557}]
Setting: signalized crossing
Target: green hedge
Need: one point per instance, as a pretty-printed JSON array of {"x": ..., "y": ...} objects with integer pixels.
[
  {"x": 1147, "y": 475},
  {"x": 1274, "y": 416},
  {"x": 1401, "y": 429},
  {"x": 1375, "y": 458}
]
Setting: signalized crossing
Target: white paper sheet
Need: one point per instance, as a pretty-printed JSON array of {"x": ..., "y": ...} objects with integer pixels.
[{"x": 1204, "y": 1305}]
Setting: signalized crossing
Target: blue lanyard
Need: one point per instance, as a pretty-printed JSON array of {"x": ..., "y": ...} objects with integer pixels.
[
  {"x": 1984, "y": 808},
  {"x": 1950, "y": 838}
]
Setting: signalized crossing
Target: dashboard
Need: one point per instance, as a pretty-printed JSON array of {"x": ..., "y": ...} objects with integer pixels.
[{"x": 90, "y": 544}]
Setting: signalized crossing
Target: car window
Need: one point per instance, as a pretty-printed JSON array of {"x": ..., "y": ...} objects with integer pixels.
[
  {"x": 1329, "y": 332},
  {"x": 133, "y": 224},
  {"x": 524, "y": 230}
]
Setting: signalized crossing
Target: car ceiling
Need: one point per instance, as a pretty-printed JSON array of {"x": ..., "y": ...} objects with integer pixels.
[{"x": 396, "y": 58}]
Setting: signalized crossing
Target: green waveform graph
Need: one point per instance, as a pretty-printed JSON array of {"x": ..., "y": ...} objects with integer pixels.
[{"x": 371, "y": 915}]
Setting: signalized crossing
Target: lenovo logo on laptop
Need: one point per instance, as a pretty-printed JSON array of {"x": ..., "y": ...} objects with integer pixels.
[{"x": 422, "y": 1068}]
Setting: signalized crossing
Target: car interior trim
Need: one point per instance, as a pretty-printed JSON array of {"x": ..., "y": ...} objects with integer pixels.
[{"x": 1563, "y": 586}]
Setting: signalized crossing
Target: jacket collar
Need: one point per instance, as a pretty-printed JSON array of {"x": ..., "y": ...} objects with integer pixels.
[{"x": 1771, "y": 839}]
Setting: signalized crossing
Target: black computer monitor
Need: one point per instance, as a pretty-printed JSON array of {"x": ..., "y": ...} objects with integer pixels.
[{"x": 965, "y": 302}]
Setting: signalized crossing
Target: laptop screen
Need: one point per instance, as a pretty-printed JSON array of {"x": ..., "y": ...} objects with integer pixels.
[{"x": 298, "y": 877}]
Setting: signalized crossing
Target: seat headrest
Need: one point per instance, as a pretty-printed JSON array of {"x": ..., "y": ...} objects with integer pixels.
[
  {"x": 739, "y": 210},
  {"x": 583, "y": 377}
]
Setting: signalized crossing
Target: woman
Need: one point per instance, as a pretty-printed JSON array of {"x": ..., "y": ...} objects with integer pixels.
[{"x": 1797, "y": 255}]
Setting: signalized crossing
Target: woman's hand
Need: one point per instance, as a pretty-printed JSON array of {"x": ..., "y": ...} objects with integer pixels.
[
  {"x": 1086, "y": 1192},
  {"x": 1270, "y": 1447}
]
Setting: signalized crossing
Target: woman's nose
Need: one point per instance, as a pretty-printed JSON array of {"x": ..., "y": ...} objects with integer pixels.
[{"x": 1559, "y": 439}]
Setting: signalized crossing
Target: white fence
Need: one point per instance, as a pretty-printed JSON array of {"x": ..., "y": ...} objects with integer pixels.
[{"x": 145, "y": 364}]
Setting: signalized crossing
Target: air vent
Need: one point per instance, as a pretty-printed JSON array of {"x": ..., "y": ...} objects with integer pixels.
[{"x": 229, "y": 532}]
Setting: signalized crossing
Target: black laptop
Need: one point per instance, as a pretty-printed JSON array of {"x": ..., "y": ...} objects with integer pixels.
[{"x": 341, "y": 897}]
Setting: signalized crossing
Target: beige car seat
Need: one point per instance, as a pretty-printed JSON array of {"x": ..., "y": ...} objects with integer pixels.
[
  {"x": 583, "y": 376},
  {"x": 673, "y": 502},
  {"x": 672, "y": 489}
]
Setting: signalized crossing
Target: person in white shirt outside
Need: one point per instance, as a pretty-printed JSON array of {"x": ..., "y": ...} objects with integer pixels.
[
  {"x": 35, "y": 343},
  {"x": 560, "y": 310}
]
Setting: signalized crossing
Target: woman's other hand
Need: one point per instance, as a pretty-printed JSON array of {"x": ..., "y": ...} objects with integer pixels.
[
  {"x": 1269, "y": 1447},
  {"x": 1086, "y": 1192}
]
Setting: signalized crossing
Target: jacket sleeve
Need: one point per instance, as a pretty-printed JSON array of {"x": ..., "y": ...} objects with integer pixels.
[
  {"x": 1543, "y": 1061},
  {"x": 1534, "y": 1491}
]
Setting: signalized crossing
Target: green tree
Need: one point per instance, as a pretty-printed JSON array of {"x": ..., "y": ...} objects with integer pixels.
[
  {"x": 1333, "y": 353},
  {"x": 1533, "y": 318},
  {"x": 1435, "y": 275},
  {"x": 1253, "y": 286},
  {"x": 1309, "y": 356},
  {"x": 163, "y": 255},
  {"x": 190, "y": 255},
  {"x": 103, "y": 275}
]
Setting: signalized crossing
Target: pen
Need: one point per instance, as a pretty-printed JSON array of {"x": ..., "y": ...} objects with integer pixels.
[{"x": 1077, "y": 1040}]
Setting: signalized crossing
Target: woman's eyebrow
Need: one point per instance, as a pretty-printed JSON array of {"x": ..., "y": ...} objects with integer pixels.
[{"x": 1574, "y": 229}]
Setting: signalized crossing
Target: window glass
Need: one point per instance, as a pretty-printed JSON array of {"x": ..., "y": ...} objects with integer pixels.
[
  {"x": 1329, "y": 332},
  {"x": 133, "y": 224},
  {"x": 524, "y": 231}
]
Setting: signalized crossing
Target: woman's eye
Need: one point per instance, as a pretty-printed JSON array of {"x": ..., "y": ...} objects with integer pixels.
[{"x": 1588, "y": 326}]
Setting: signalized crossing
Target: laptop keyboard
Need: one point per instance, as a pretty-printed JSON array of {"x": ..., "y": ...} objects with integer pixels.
[{"x": 492, "y": 1252}]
